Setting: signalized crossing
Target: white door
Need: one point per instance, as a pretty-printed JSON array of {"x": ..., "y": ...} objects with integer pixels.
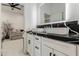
[
  {"x": 46, "y": 51},
  {"x": 57, "y": 53}
]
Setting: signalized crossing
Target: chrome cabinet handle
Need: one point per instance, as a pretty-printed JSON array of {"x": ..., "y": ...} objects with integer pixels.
[
  {"x": 50, "y": 54},
  {"x": 36, "y": 47},
  {"x": 36, "y": 38},
  {"x": 54, "y": 54},
  {"x": 29, "y": 42}
]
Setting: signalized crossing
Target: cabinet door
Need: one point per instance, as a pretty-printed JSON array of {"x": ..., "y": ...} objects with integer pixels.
[
  {"x": 57, "y": 53},
  {"x": 68, "y": 49},
  {"x": 46, "y": 51},
  {"x": 30, "y": 44}
]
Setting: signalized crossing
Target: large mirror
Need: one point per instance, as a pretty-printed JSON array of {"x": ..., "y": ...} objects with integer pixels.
[{"x": 52, "y": 12}]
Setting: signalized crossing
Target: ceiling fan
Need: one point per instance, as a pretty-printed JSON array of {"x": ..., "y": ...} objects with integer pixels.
[{"x": 13, "y": 5}]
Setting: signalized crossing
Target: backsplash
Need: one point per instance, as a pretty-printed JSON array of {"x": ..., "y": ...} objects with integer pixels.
[
  {"x": 60, "y": 28},
  {"x": 58, "y": 25},
  {"x": 74, "y": 27}
]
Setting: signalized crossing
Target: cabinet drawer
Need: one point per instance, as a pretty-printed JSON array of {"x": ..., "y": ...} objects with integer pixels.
[
  {"x": 38, "y": 39},
  {"x": 37, "y": 47}
]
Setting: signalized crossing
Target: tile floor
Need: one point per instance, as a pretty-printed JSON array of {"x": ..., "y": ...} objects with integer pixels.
[{"x": 13, "y": 48}]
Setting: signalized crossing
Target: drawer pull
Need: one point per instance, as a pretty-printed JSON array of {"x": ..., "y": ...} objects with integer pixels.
[
  {"x": 50, "y": 54},
  {"x": 36, "y": 38},
  {"x": 36, "y": 47},
  {"x": 54, "y": 54},
  {"x": 28, "y": 41}
]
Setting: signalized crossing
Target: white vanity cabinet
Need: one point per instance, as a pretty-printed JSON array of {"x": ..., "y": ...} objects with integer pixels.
[
  {"x": 34, "y": 45},
  {"x": 37, "y": 45},
  {"x": 41, "y": 46},
  {"x": 46, "y": 51},
  {"x": 60, "y": 48},
  {"x": 30, "y": 38}
]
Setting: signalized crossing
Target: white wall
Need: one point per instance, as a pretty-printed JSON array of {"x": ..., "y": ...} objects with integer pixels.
[
  {"x": 30, "y": 16},
  {"x": 30, "y": 11},
  {"x": 0, "y": 29},
  {"x": 72, "y": 11},
  {"x": 15, "y": 17},
  {"x": 38, "y": 13}
]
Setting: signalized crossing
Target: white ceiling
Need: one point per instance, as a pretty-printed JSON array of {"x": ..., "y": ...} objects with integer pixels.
[
  {"x": 7, "y": 8},
  {"x": 20, "y": 6}
]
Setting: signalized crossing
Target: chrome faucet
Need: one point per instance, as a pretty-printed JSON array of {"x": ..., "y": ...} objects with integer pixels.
[{"x": 44, "y": 30}]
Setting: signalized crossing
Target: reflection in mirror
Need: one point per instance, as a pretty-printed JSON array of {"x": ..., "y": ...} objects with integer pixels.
[
  {"x": 46, "y": 17},
  {"x": 52, "y": 12}
]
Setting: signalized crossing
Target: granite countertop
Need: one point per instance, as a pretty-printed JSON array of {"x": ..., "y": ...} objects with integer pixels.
[{"x": 73, "y": 39}]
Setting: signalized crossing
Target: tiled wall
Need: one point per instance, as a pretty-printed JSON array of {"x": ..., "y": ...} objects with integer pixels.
[
  {"x": 60, "y": 27},
  {"x": 58, "y": 24}
]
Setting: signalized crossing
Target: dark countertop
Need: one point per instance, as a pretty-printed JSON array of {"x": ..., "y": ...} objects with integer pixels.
[{"x": 73, "y": 39}]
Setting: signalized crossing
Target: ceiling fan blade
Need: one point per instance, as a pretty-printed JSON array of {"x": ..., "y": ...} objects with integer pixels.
[
  {"x": 16, "y": 4},
  {"x": 5, "y": 5},
  {"x": 13, "y": 4},
  {"x": 17, "y": 8}
]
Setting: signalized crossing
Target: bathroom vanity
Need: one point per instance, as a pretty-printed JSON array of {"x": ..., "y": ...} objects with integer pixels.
[
  {"x": 55, "y": 39},
  {"x": 52, "y": 44},
  {"x": 46, "y": 45}
]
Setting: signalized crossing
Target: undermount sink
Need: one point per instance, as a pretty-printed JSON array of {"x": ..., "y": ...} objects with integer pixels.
[
  {"x": 75, "y": 36},
  {"x": 71, "y": 40},
  {"x": 74, "y": 41},
  {"x": 77, "y": 42}
]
